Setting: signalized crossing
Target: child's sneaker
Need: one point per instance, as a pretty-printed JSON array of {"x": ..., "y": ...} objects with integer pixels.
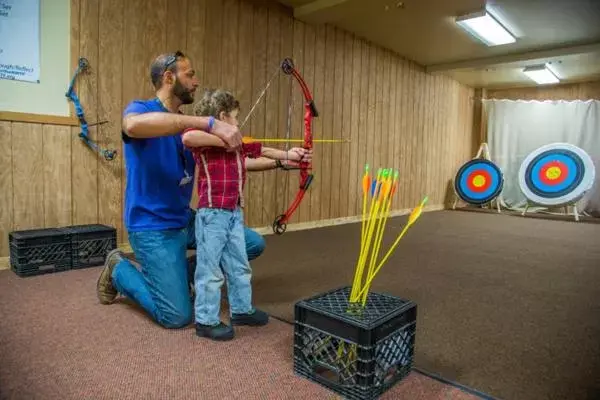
[
  {"x": 220, "y": 331},
  {"x": 254, "y": 318}
]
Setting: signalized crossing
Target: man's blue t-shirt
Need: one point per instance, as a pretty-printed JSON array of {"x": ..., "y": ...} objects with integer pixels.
[{"x": 158, "y": 191}]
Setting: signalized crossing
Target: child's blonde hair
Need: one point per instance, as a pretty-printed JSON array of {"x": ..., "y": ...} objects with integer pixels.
[{"x": 215, "y": 101}]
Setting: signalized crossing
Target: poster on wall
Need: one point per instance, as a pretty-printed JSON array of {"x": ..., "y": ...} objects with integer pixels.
[{"x": 20, "y": 40}]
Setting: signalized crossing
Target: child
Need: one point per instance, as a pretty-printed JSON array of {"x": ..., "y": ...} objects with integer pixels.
[{"x": 220, "y": 245}]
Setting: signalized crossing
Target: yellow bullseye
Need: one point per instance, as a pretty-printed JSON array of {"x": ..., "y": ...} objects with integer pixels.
[
  {"x": 478, "y": 180},
  {"x": 553, "y": 173}
]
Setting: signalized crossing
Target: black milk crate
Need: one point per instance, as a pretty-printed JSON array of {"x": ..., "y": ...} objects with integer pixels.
[
  {"x": 91, "y": 243},
  {"x": 356, "y": 352},
  {"x": 39, "y": 251}
]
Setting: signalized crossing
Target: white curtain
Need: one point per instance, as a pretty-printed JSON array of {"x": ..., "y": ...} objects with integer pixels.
[{"x": 517, "y": 127}]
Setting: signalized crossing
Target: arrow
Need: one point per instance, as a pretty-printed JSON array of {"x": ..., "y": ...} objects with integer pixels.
[
  {"x": 247, "y": 139},
  {"x": 414, "y": 215}
]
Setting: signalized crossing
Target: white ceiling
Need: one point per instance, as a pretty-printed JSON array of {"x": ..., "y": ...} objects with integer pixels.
[{"x": 563, "y": 32}]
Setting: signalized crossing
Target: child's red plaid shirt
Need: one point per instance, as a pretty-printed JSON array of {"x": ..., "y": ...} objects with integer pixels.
[{"x": 222, "y": 175}]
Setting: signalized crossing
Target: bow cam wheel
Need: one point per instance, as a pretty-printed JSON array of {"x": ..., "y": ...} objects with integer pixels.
[
  {"x": 279, "y": 227},
  {"x": 109, "y": 155},
  {"x": 287, "y": 65},
  {"x": 83, "y": 63}
]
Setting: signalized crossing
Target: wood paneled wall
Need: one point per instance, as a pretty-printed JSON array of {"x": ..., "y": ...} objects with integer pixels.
[{"x": 393, "y": 113}]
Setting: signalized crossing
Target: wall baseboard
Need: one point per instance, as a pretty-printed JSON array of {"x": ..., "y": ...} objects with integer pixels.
[{"x": 267, "y": 230}]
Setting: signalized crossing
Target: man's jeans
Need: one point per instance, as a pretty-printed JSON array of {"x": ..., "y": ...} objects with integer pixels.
[
  {"x": 162, "y": 286},
  {"x": 221, "y": 251}
]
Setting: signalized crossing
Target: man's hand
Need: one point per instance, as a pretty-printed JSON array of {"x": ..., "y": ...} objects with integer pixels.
[{"x": 230, "y": 134}]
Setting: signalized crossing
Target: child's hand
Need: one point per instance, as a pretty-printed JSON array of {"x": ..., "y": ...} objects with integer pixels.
[
  {"x": 299, "y": 154},
  {"x": 288, "y": 165}
]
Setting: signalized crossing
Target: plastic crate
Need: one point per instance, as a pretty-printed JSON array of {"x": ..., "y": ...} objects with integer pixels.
[
  {"x": 39, "y": 251},
  {"x": 356, "y": 352},
  {"x": 90, "y": 244}
]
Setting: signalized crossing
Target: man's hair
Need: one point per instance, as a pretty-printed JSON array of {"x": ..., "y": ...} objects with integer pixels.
[
  {"x": 163, "y": 63},
  {"x": 215, "y": 101}
]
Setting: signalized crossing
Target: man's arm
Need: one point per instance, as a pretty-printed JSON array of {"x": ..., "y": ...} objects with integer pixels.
[{"x": 156, "y": 124}]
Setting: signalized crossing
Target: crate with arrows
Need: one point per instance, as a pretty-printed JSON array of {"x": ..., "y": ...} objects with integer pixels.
[{"x": 353, "y": 341}]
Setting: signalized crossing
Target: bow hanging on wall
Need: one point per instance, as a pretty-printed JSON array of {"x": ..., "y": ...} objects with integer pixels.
[
  {"x": 83, "y": 66},
  {"x": 310, "y": 112}
]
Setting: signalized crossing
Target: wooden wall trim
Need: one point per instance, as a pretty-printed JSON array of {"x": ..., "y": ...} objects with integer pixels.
[{"x": 38, "y": 118}]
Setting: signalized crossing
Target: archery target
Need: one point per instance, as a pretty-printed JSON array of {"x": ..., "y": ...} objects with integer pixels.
[
  {"x": 478, "y": 181},
  {"x": 556, "y": 174}
]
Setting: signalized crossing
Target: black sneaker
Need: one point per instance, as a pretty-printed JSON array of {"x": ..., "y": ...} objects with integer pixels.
[
  {"x": 220, "y": 331},
  {"x": 254, "y": 318}
]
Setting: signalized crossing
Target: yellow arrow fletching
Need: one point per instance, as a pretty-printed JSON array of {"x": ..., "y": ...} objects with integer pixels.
[{"x": 416, "y": 213}]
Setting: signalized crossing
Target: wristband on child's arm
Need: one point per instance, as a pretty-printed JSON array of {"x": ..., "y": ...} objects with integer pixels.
[{"x": 211, "y": 123}]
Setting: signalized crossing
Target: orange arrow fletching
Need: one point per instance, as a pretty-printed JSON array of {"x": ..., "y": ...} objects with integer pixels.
[
  {"x": 395, "y": 184},
  {"x": 366, "y": 183},
  {"x": 387, "y": 188}
]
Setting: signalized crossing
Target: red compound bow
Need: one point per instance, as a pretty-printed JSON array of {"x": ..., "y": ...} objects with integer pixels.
[
  {"x": 306, "y": 176},
  {"x": 310, "y": 111}
]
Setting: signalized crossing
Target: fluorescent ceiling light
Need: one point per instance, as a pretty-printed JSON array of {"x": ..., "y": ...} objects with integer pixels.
[
  {"x": 485, "y": 28},
  {"x": 541, "y": 75}
]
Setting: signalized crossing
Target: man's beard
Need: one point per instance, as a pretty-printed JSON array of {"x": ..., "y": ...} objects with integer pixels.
[{"x": 182, "y": 93}]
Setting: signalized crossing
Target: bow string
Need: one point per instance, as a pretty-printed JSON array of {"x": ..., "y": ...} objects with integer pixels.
[{"x": 83, "y": 66}]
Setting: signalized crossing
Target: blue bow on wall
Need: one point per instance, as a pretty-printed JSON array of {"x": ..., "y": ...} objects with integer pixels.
[{"x": 109, "y": 155}]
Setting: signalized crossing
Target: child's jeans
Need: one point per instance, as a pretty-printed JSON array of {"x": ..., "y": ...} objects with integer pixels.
[{"x": 220, "y": 254}]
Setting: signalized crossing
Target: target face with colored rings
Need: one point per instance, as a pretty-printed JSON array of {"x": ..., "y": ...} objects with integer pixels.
[
  {"x": 556, "y": 174},
  {"x": 478, "y": 181}
]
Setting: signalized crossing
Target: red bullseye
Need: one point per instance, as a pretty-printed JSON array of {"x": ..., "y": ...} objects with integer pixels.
[
  {"x": 479, "y": 181},
  {"x": 553, "y": 173}
]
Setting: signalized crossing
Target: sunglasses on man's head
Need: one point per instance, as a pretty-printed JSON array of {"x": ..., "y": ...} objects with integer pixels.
[{"x": 172, "y": 58}]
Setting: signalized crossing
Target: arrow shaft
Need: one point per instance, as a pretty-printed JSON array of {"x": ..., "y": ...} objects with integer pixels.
[{"x": 274, "y": 140}]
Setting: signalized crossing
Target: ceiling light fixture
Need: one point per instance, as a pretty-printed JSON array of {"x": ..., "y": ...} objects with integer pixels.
[
  {"x": 486, "y": 28},
  {"x": 541, "y": 74}
]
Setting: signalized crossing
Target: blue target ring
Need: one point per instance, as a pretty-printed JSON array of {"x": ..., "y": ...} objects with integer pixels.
[
  {"x": 570, "y": 166},
  {"x": 478, "y": 181}
]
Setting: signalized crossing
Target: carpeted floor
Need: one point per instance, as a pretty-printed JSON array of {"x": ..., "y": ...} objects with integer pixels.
[
  {"x": 507, "y": 305},
  {"x": 57, "y": 342}
]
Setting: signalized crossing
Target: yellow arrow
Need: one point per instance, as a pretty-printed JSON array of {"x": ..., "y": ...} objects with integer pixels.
[{"x": 247, "y": 139}]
